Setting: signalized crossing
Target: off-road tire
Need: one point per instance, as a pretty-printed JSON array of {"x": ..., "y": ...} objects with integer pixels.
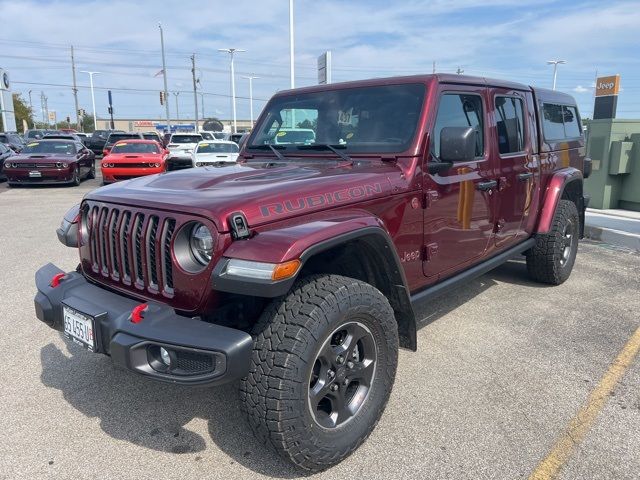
[
  {"x": 287, "y": 340},
  {"x": 545, "y": 261}
]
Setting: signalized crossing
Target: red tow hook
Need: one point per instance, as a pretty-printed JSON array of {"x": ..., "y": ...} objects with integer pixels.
[
  {"x": 137, "y": 313},
  {"x": 57, "y": 278}
]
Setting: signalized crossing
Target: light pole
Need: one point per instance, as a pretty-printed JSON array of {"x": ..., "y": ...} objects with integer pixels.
[
  {"x": 93, "y": 97},
  {"x": 291, "y": 46},
  {"x": 251, "y": 78},
  {"x": 231, "y": 52},
  {"x": 555, "y": 64},
  {"x": 30, "y": 107},
  {"x": 164, "y": 76},
  {"x": 177, "y": 111}
]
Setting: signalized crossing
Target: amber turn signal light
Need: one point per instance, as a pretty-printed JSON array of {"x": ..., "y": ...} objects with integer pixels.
[{"x": 285, "y": 270}]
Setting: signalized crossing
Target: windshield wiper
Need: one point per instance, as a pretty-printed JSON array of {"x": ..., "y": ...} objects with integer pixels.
[
  {"x": 326, "y": 146},
  {"x": 273, "y": 148}
]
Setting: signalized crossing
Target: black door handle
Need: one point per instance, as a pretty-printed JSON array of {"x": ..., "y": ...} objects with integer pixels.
[
  {"x": 525, "y": 176},
  {"x": 484, "y": 186}
]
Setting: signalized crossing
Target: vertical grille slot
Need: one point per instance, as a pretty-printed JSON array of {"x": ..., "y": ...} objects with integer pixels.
[
  {"x": 93, "y": 237},
  {"x": 102, "y": 240},
  {"x": 150, "y": 244},
  {"x": 124, "y": 246},
  {"x": 137, "y": 232},
  {"x": 167, "y": 263},
  {"x": 113, "y": 256}
]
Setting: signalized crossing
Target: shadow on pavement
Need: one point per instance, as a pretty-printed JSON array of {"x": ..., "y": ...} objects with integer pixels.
[{"x": 154, "y": 415}]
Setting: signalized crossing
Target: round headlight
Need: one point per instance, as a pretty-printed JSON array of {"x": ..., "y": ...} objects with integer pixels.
[
  {"x": 201, "y": 243},
  {"x": 105, "y": 164},
  {"x": 59, "y": 165}
]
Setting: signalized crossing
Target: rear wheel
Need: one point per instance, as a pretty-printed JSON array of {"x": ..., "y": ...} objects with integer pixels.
[
  {"x": 322, "y": 368},
  {"x": 552, "y": 258}
]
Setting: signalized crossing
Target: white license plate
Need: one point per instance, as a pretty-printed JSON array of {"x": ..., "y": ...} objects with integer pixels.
[
  {"x": 79, "y": 328},
  {"x": 35, "y": 174}
]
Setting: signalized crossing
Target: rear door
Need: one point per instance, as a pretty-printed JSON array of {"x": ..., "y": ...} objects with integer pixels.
[
  {"x": 512, "y": 137},
  {"x": 458, "y": 225}
]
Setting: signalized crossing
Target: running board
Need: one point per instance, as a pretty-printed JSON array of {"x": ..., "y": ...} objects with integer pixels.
[{"x": 447, "y": 285}]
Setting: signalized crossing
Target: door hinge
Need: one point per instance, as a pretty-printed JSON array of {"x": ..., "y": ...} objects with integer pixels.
[
  {"x": 429, "y": 197},
  {"x": 429, "y": 251}
]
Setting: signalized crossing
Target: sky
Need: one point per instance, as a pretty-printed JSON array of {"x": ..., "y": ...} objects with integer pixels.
[{"x": 506, "y": 39}]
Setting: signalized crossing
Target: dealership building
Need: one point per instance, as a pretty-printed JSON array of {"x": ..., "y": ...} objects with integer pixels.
[{"x": 160, "y": 125}]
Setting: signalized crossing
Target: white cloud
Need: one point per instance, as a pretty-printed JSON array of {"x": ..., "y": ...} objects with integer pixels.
[{"x": 581, "y": 89}]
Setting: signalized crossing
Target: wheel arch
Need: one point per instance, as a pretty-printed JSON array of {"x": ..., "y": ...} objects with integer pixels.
[{"x": 565, "y": 184}]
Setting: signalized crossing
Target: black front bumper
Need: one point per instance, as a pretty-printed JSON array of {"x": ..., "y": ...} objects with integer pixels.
[{"x": 203, "y": 353}]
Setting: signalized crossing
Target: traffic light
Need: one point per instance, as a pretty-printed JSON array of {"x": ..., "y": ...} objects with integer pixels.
[{"x": 161, "y": 98}]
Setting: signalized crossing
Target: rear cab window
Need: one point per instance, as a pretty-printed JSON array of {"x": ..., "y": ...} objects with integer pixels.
[{"x": 560, "y": 122}]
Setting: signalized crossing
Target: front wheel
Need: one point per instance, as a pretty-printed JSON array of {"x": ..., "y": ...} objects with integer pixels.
[
  {"x": 322, "y": 369},
  {"x": 551, "y": 259},
  {"x": 75, "y": 179},
  {"x": 92, "y": 172}
]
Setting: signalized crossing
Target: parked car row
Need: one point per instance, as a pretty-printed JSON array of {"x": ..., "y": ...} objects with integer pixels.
[{"x": 66, "y": 156}]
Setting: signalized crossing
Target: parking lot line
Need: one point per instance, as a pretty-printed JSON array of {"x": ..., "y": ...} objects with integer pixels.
[{"x": 580, "y": 424}]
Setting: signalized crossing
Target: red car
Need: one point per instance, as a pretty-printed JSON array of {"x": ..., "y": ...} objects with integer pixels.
[
  {"x": 133, "y": 158},
  {"x": 51, "y": 161}
]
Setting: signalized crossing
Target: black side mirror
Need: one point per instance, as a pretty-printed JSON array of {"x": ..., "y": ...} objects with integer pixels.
[{"x": 457, "y": 144}]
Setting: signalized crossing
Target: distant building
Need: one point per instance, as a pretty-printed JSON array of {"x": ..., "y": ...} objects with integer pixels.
[{"x": 182, "y": 125}]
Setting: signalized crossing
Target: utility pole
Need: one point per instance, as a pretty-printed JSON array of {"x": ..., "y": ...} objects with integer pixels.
[
  {"x": 164, "y": 75},
  {"x": 111, "y": 110},
  {"x": 251, "y": 78},
  {"x": 30, "y": 107},
  {"x": 202, "y": 105},
  {"x": 459, "y": 71},
  {"x": 434, "y": 66},
  {"x": 195, "y": 92},
  {"x": 42, "y": 105},
  {"x": 177, "y": 110},
  {"x": 46, "y": 109},
  {"x": 555, "y": 64},
  {"x": 75, "y": 90},
  {"x": 93, "y": 97},
  {"x": 231, "y": 52}
]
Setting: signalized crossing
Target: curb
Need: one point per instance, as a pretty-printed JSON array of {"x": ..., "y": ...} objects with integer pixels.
[{"x": 614, "y": 237}]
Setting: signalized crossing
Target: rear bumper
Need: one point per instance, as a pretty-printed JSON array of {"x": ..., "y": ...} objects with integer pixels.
[{"x": 212, "y": 354}]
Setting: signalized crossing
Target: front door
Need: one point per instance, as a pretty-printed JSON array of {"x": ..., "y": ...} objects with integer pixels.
[
  {"x": 512, "y": 148},
  {"x": 458, "y": 222}
]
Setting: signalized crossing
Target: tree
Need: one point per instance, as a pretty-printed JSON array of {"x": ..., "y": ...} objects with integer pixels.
[
  {"x": 212, "y": 125},
  {"x": 308, "y": 124},
  {"x": 22, "y": 112}
]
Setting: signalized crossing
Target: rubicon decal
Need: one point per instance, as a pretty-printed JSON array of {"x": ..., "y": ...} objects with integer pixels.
[{"x": 320, "y": 200}]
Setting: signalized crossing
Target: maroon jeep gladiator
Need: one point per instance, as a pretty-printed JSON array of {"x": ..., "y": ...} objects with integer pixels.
[{"x": 296, "y": 269}]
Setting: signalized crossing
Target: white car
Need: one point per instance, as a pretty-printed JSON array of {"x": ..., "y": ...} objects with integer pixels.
[
  {"x": 181, "y": 147},
  {"x": 214, "y": 152}
]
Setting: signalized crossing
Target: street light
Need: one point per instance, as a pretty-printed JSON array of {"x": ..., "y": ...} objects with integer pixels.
[
  {"x": 93, "y": 97},
  {"x": 231, "y": 52},
  {"x": 291, "y": 46},
  {"x": 555, "y": 64},
  {"x": 251, "y": 78}
]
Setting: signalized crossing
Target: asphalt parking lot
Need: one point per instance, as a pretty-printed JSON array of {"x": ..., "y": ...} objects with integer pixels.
[{"x": 503, "y": 368}]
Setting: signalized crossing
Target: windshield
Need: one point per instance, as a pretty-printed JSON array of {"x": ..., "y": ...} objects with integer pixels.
[
  {"x": 380, "y": 119},
  {"x": 135, "y": 148},
  {"x": 186, "y": 139},
  {"x": 114, "y": 137},
  {"x": 151, "y": 136},
  {"x": 217, "y": 148},
  {"x": 60, "y": 148},
  {"x": 34, "y": 134}
]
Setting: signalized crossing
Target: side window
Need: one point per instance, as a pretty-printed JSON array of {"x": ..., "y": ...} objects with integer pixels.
[
  {"x": 552, "y": 121},
  {"x": 510, "y": 124},
  {"x": 560, "y": 122},
  {"x": 460, "y": 110},
  {"x": 571, "y": 122}
]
